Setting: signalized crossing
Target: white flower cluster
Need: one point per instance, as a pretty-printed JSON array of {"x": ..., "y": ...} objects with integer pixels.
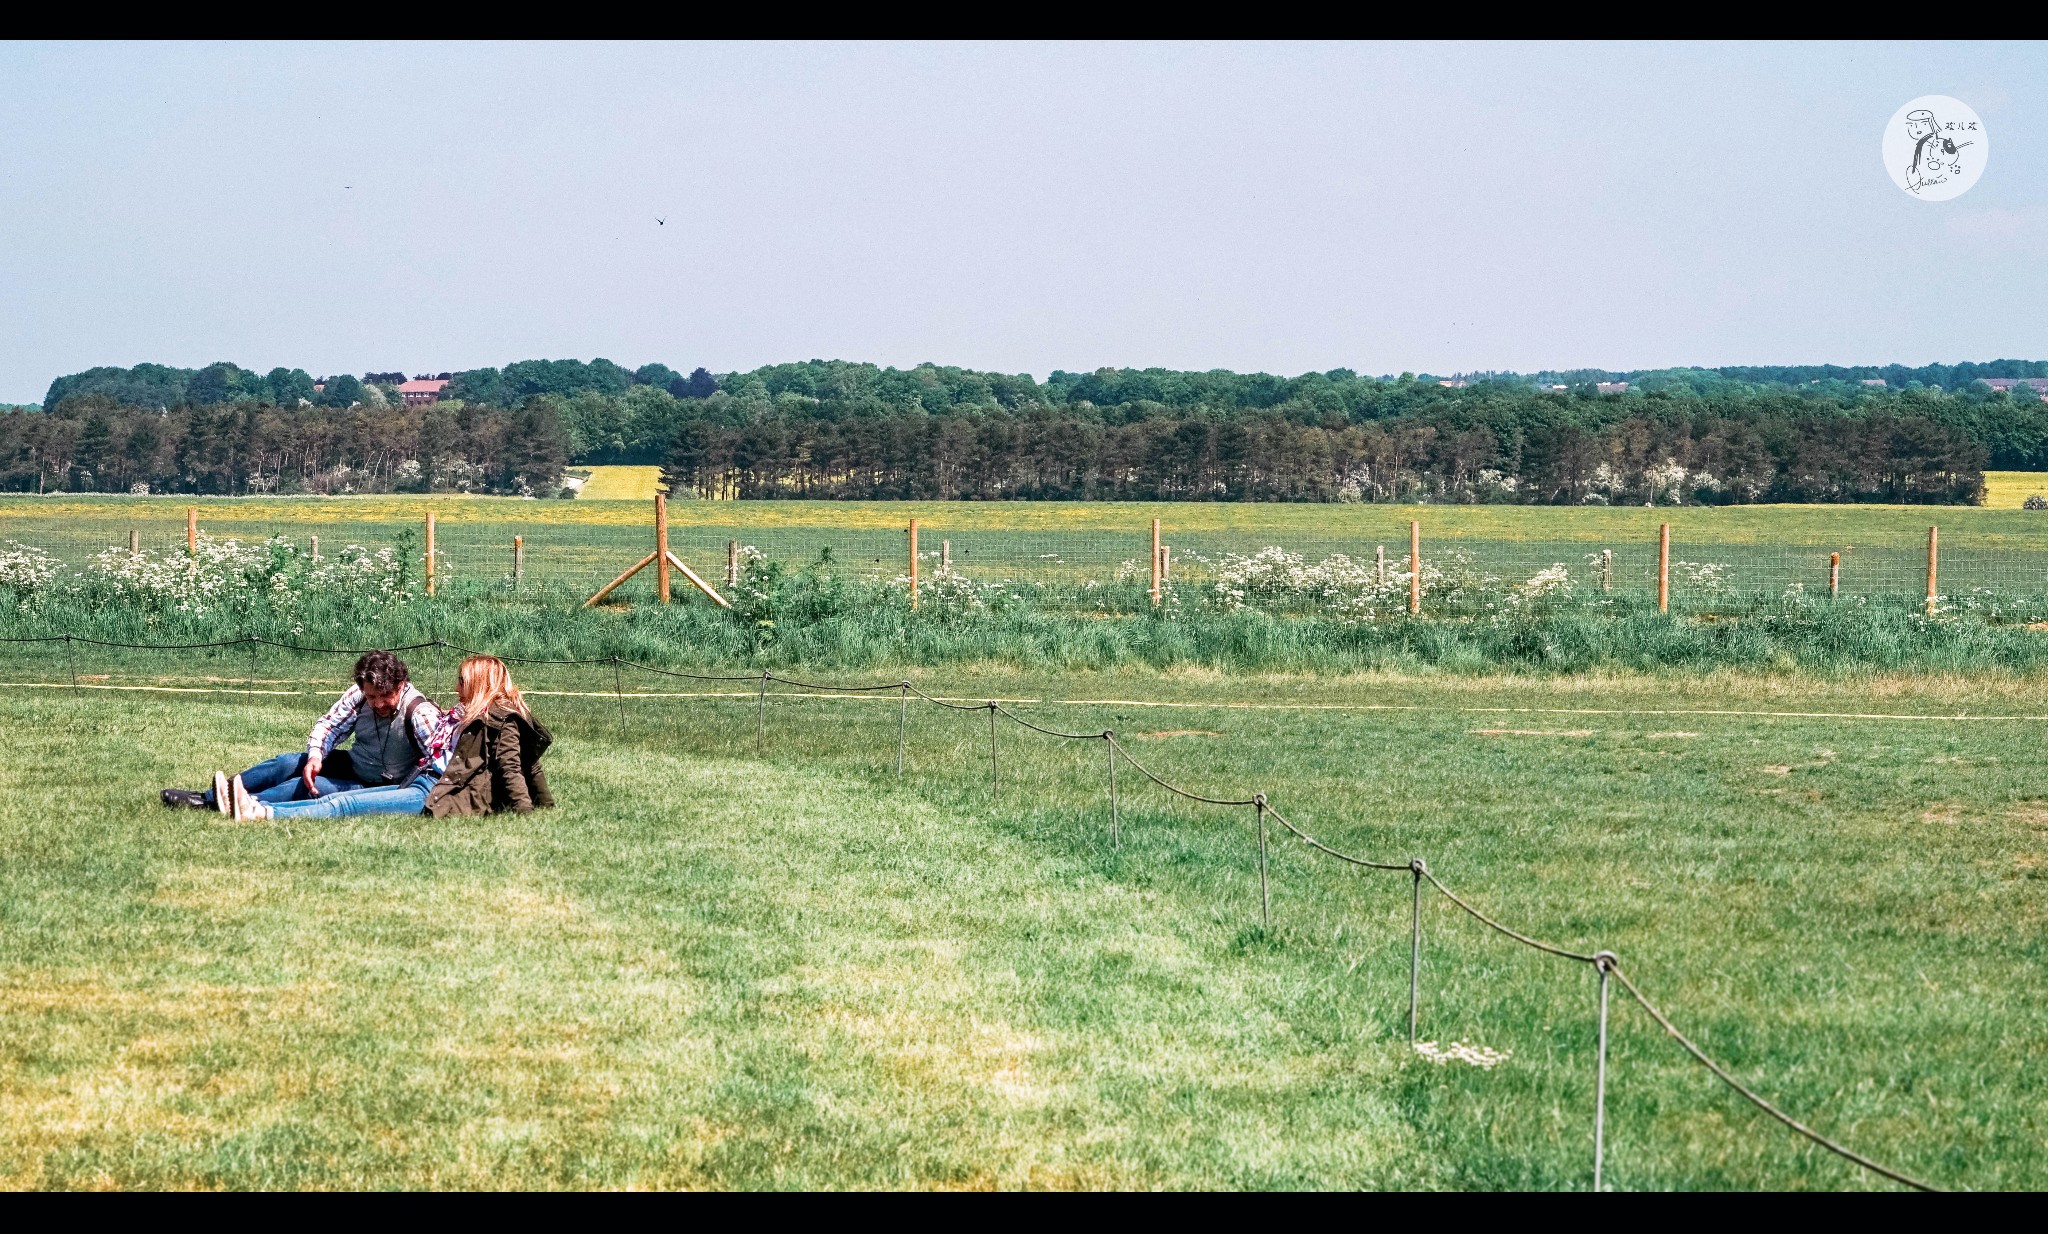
[
  {"x": 218, "y": 575},
  {"x": 1479, "y": 1056},
  {"x": 26, "y": 569},
  {"x": 1276, "y": 578}
]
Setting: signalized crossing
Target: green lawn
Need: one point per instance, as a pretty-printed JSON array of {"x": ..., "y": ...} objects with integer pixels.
[{"x": 719, "y": 966}]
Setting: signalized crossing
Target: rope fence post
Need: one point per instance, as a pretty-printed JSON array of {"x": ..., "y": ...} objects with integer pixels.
[
  {"x": 72, "y": 664},
  {"x": 619, "y": 696},
  {"x": 1933, "y": 565},
  {"x": 249, "y": 688},
  {"x": 1603, "y": 963},
  {"x": 1663, "y": 567},
  {"x": 913, "y": 565},
  {"x": 1834, "y": 575},
  {"x": 902, "y": 720},
  {"x": 1414, "y": 567},
  {"x": 1415, "y": 867},
  {"x": 994, "y": 788},
  {"x": 518, "y": 561},
  {"x": 1115, "y": 840},
  {"x": 1265, "y": 894},
  {"x": 761, "y": 713}
]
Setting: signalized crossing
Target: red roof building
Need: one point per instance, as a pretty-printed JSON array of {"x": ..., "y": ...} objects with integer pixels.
[{"x": 422, "y": 390}]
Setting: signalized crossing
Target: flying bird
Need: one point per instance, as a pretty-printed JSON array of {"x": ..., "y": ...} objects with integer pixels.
[{"x": 660, "y": 221}]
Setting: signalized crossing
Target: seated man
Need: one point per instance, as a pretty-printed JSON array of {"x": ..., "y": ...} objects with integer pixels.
[{"x": 394, "y": 728}]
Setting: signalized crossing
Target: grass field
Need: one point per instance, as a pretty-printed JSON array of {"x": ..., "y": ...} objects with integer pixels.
[
  {"x": 724, "y": 966},
  {"x": 622, "y": 484},
  {"x": 2006, "y": 490}
]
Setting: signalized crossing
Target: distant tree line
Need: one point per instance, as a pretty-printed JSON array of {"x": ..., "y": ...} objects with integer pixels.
[
  {"x": 91, "y": 444},
  {"x": 846, "y": 430}
]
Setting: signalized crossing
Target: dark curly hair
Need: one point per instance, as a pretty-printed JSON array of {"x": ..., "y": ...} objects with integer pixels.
[{"x": 381, "y": 671}]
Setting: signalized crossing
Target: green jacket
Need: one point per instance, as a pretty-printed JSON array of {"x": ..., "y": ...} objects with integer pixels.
[{"x": 495, "y": 766}]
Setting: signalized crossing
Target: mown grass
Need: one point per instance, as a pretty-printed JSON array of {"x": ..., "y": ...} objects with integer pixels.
[{"x": 719, "y": 965}]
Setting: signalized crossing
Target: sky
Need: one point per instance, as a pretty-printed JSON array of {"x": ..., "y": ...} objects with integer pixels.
[{"x": 1021, "y": 208}]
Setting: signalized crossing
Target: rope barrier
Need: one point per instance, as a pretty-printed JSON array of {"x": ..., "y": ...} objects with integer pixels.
[{"x": 1604, "y": 962}]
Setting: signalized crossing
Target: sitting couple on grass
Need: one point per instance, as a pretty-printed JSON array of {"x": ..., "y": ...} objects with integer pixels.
[{"x": 408, "y": 756}]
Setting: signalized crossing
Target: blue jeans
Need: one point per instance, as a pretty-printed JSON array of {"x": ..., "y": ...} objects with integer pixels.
[
  {"x": 277, "y": 779},
  {"x": 346, "y": 803}
]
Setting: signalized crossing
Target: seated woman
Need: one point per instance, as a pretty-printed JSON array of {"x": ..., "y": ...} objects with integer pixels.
[{"x": 496, "y": 761}]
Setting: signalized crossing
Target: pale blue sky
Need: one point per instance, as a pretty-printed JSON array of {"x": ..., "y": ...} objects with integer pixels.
[{"x": 1021, "y": 208}]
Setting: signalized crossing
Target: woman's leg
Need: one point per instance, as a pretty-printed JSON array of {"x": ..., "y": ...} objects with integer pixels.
[{"x": 388, "y": 799}]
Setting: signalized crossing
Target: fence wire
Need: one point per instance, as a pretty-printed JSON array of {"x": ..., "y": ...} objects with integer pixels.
[{"x": 1605, "y": 962}]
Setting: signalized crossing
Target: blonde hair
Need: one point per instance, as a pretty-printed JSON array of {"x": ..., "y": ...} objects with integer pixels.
[{"x": 482, "y": 683}]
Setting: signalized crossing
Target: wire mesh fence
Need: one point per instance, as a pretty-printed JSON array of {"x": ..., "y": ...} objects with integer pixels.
[{"x": 1715, "y": 559}]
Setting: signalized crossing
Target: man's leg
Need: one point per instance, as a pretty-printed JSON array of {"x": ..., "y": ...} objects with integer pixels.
[{"x": 268, "y": 775}]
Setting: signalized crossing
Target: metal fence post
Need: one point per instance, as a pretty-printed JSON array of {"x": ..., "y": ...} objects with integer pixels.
[
  {"x": 619, "y": 696},
  {"x": 1109, "y": 740},
  {"x": 902, "y": 719},
  {"x": 1604, "y": 962},
  {"x": 1415, "y": 867},
  {"x": 1265, "y": 894}
]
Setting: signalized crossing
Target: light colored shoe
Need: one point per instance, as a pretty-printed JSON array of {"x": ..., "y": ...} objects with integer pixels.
[
  {"x": 221, "y": 799},
  {"x": 247, "y": 808}
]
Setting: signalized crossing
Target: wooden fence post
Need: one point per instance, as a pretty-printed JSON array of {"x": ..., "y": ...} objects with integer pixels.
[
  {"x": 913, "y": 565},
  {"x": 1933, "y": 564},
  {"x": 313, "y": 548},
  {"x": 518, "y": 560},
  {"x": 1663, "y": 567},
  {"x": 1834, "y": 575},
  {"x": 430, "y": 552},
  {"x": 1155, "y": 563},
  {"x": 945, "y": 556},
  {"x": 732, "y": 563},
  {"x": 1414, "y": 567},
  {"x": 1380, "y": 565},
  {"x": 192, "y": 530},
  {"x": 661, "y": 547},
  {"x": 1607, "y": 569},
  {"x": 1166, "y": 563},
  {"x": 134, "y": 542}
]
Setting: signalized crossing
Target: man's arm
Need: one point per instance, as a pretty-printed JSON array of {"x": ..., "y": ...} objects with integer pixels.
[
  {"x": 433, "y": 732},
  {"x": 339, "y": 722}
]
